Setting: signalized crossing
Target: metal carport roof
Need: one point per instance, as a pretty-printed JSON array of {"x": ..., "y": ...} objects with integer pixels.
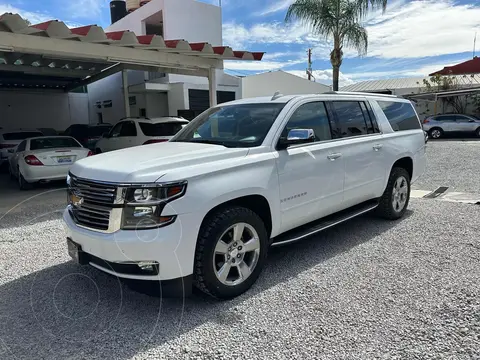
[{"x": 50, "y": 55}]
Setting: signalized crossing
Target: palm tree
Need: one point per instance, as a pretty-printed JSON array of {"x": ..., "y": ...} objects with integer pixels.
[{"x": 337, "y": 19}]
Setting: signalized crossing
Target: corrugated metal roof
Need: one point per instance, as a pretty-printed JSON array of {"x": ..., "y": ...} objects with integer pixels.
[{"x": 406, "y": 83}]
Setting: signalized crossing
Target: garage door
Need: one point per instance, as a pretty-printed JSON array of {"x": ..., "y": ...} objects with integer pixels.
[{"x": 199, "y": 99}]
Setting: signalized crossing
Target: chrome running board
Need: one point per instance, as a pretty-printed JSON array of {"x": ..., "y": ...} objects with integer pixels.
[{"x": 324, "y": 223}]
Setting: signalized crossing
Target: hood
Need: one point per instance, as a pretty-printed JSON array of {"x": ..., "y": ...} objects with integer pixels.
[{"x": 147, "y": 163}]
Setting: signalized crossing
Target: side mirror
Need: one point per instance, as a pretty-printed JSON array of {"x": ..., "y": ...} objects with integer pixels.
[
  {"x": 471, "y": 120},
  {"x": 295, "y": 137},
  {"x": 105, "y": 135}
]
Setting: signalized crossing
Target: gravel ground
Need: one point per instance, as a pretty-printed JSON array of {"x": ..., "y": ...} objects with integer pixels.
[
  {"x": 369, "y": 289},
  {"x": 406, "y": 289},
  {"x": 452, "y": 163}
]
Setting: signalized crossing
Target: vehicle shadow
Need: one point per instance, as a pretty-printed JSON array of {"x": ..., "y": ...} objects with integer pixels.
[{"x": 69, "y": 311}]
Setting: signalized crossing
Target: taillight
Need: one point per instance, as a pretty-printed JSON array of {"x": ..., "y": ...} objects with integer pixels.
[
  {"x": 32, "y": 160},
  {"x": 153, "y": 141},
  {"x": 7, "y": 146},
  {"x": 90, "y": 153},
  {"x": 426, "y": 121}
]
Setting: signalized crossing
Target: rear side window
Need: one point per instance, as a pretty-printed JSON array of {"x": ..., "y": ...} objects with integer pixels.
[
  {"x": 21, "y": 135},
  {"x": 400, "y": 115},
  {"x": 160, "y": 129},
  {"x": 50, "y": 143},
  {"x": 351, "y": 118}
]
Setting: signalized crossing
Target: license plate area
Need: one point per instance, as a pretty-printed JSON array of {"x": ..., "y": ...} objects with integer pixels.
[
  {"x": 64, "y": 159},
  {"x": 76, "y": 253}
]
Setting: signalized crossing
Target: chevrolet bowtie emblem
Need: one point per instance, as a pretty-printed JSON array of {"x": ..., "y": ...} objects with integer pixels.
[{"x": 76, "y": 200}]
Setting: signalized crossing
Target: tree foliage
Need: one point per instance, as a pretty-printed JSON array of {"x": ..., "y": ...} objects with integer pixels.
[{"x": 337, "y": 20}]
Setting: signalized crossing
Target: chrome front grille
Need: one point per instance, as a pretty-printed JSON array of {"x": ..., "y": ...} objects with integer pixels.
[{"x": 91, "y": 203}]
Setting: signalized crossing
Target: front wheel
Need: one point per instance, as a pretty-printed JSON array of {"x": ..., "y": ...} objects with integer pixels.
[
  {"x": 396, "y": 197},
  {"x": 477, "y": 132},
  {"x": 231, "y": 251}
]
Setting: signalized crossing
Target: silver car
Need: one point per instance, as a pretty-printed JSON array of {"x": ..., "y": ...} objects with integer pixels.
[{"x": 440, "y": 125}]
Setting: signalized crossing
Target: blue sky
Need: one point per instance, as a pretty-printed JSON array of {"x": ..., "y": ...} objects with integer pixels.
[{"x": 412, "y": 39}]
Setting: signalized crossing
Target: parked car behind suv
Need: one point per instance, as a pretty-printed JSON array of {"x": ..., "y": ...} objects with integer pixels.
[
  {"x": 448, "y": 124},
  {"x": 205, "y": 207},
  {"x": 87, "y": 135},
  {"x": 11, "y": 138},
  {"x": 140, "y": 131}
]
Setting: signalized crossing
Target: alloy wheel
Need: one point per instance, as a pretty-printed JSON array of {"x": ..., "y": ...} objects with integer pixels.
[
  {"x": 236, "y": 254},
  {"x": 400, "y": 194}
]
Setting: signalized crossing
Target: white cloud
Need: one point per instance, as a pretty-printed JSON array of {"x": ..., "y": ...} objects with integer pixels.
[
  {"x": 325, "y": 77},
  {"x": 33, "y": 17},
  {"x": 85, "y": 9},
  {"x": 424, "y": 28},
  {"x": 407, "y": 30},
  {"x": 238, "y": 36},
  {"x": 275, "y": 7},
  {"x": 259, "y": 65}
]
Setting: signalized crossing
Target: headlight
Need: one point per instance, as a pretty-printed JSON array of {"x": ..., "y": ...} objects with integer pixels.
[{"x": 144, "y": 206}]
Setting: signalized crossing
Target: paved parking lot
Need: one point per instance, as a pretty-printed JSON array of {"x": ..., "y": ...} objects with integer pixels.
[{"x": 368, "y": 289}]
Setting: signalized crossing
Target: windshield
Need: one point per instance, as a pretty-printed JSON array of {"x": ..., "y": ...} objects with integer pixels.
[
  {"x": 20, "y": 135},
  {"x": 52, "y": 142},
  {"x": 161, "y": 129},
  {"x": 243, "y": 125}
]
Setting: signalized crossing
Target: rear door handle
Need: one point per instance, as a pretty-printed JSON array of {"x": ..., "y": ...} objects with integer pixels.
[
  {"x": 334, "y": 156},
  {"x": 377, "y": 147}
]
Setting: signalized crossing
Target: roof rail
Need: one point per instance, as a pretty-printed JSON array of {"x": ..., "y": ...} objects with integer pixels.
[{"x": 360, "y": 93}]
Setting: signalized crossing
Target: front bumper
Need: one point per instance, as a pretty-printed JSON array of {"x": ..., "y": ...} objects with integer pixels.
[{"x": 172, "y": 247}]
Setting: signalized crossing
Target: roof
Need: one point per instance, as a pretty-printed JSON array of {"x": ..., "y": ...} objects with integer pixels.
[
  {"x": 52, "y": 55},
  {"x": 167, "y": 119},
  {"x": 468, "y": 67},
  {"x": 405, "y": 83}
]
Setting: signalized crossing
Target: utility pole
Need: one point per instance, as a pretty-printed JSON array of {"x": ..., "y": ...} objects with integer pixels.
[
  {"x": 474, "y": 44},
  {"x": 309, "y": 69}
]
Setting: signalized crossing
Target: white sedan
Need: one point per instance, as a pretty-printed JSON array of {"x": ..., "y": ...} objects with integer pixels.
[{"x": 45, "y": 158}]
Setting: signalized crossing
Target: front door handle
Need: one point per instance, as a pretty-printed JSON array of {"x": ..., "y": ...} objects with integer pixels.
[
  {"x": 334, "y": 156},
  {"x": 377, "y": 147}
]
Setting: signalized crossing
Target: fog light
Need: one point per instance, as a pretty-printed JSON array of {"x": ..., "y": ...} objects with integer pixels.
[{"x": 149, "y": 266}]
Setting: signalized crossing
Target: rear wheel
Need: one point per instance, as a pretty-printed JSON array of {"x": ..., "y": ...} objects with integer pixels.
[
  {"x": 231, "y": 252},
  {"x": 436, "y": 133},
  {"x": 395, "y": 199},
  {"x": 22, "y": 183}
]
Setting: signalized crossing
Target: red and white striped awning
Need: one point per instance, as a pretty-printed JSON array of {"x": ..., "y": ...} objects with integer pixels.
[{"x": 52, "y": 49}]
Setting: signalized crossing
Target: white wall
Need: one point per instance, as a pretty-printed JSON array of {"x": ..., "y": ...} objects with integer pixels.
[
  {"x": 192, "y": 21},
  {"x": 288, "y": 84},
  {"x": 34, "y": 109},
  {"x": 177, "y": 98},
  {"x": 135, "y": 20},
  {"x": 157, "y": 105},
  {"x": 109, "y": 88}
]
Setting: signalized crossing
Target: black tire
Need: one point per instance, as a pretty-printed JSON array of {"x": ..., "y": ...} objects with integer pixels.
[
  {"x": 477, "y": 132},
  {"x": 210, "y": 232},
  {"x": 22, "y": 183},
  {"x": 98, "y": 151},
  {"x": 436, "y": 133},
  {"x": 386, "y": 208}
]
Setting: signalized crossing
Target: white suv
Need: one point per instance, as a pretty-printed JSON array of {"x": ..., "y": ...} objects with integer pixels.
[
  {"x": 205, "y": 207},
  {"x": 139, "y": 131}
]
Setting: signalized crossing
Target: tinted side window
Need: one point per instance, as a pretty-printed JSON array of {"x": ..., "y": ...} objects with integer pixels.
[
  {"x": 462, "y": 119},
  {"x": 310, "y": 116},
  {"x": 351, "y": 119},
  {"x": 21, "y": 146},
  {"x": 116, "y": 130},
  {"x": 400, "y": 115},
  {"x": 128, "y": 129}
]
